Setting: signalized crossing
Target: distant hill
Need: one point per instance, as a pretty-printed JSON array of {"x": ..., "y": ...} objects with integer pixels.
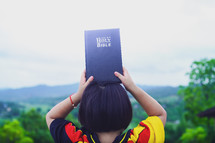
[
  {"x": 44, "y": 91},
  {"x": 40, "y": 91},
  {"x": 160, "y": 91}
]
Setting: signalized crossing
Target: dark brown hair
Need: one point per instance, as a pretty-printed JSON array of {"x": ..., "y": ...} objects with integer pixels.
[{"x": 105, "y": 108}]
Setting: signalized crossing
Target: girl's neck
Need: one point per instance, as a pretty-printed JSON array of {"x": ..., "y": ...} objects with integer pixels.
[{"x": 108, "y": 137}]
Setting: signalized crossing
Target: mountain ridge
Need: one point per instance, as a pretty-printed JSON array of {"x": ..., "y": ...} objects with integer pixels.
[{"x": 45, "y": 91}]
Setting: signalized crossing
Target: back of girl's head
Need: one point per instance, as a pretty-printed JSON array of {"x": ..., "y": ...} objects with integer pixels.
[{"x": 105, "y": 108}]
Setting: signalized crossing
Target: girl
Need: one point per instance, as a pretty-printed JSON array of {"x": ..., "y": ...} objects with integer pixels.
[{"x": 105, "y": 112}]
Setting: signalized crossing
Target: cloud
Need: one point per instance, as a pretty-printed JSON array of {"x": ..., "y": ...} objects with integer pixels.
[{"x": 42, "y": 42}]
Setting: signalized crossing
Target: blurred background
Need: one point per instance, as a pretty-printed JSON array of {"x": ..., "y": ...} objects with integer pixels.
[{"x": 167, "y": 46}]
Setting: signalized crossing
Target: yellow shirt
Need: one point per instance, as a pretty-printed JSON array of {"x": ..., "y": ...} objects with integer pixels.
[{"x": 150, "y": 130}]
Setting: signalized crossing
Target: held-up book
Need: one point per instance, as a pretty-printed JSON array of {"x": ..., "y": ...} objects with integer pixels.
[{"x": 103, "y": 55}]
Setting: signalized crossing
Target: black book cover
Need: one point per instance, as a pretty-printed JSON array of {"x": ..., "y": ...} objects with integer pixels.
[{"x": 103, "y": 55}]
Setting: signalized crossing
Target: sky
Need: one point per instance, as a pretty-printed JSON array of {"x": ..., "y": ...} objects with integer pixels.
[{"x": 42, "y": 42}]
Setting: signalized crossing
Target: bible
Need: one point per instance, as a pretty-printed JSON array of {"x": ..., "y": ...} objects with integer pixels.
[{"x": 103, "y": 55}]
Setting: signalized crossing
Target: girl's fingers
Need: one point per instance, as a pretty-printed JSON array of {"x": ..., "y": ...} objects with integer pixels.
[
  {"x": 83, "y": 76},
  {"x": 117, "y": 74},
  {"x": 90, "y": 79}
]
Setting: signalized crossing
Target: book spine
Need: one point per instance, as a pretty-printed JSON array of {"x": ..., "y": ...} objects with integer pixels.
[
  {"x": 86, "y": 59},
  {"x": 120, "y": 53}
]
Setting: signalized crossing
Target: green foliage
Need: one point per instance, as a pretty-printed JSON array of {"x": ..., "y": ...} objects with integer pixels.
[
  {"x": 74, "y": 119},
  {"x": 198, "y": 96},
  {"x": 12, "y": 132},
  {"x": 174, "y": 107},
  {"x": 194, "y": 135},
  {"x": 170, "y": 132},
  {"x": 26, "y": 140},
  {"x": 173, "y": 131},
  {"x": 35, "y": 124}
]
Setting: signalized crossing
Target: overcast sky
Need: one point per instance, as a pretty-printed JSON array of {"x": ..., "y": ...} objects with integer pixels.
[{"x": 42, "y": 42}]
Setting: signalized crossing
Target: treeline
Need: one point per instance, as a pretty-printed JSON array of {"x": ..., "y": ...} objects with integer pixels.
[
  {"x": 18, "y": 125},
  {"x": 29, "y": 127},
  {"x": 197, "y": 97}
]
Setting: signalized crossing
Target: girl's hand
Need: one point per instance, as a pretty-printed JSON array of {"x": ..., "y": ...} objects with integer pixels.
[
  {"x": 62, "y": 109},
  {"x": 84, "y": 83},
  {"x": 126, "y": 79}
]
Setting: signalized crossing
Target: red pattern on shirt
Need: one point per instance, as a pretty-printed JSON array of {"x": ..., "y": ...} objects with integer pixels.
[
  {"x": 143, "y": 136},
  {"x": 74, "y": 135},
  {"x": 78, "y": 135}
]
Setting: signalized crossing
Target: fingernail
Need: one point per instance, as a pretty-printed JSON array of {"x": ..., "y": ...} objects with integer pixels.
[{"x": 115, "y": 73}]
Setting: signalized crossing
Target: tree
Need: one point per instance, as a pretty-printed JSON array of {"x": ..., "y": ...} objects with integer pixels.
[
  {"x": 35, "y": 124},
  {"x": 194, "y": 135},
  {"x": 199, "y": 95},
  {"x": 12, "y": 132}
]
